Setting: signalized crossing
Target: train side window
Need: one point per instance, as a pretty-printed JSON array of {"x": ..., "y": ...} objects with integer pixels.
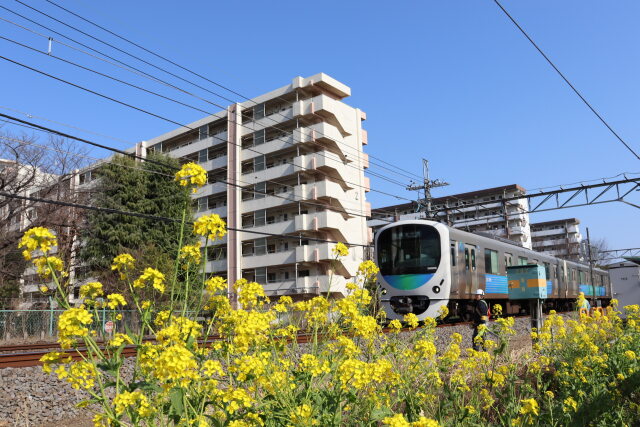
[
  {"x": 547, "y": 271},
  {"x": 466, "y": 258},
  {"x": 473, "y": 259},
  {"x": 453, "y": 254},
  {"x": 490, "y": 261},
  {"x": 508, "y": 260},
  {"x": 522, "y": 260}
]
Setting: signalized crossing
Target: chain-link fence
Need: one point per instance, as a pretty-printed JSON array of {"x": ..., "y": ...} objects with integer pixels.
[{"x": 42, "y": 325}]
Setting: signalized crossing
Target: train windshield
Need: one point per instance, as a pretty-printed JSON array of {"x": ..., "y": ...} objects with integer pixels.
[{"x": 409, "y": 249}]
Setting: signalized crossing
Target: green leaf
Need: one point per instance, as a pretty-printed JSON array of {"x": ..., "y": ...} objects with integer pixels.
[{"x": 176, "y": 396}]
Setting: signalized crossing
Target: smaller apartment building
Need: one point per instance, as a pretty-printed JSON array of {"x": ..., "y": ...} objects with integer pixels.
[
  {"x": 489, "y": 213},
  {"x": 560, "y": 238}
]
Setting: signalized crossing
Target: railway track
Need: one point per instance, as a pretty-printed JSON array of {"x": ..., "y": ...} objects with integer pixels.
[{"x": 26, "y": 355}]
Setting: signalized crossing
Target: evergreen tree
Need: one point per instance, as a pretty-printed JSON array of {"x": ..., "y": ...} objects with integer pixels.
[{"x": 144, "y": 187}]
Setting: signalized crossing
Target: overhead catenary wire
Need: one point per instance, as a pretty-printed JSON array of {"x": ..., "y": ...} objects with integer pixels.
[
  {"x": 566, "y": 80},
  {"x": 135, "y": 156},
  {"x": 129, "y": 66}
]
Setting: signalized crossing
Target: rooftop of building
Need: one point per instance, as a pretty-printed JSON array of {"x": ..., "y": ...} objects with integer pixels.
[
  {"x": 456, "y": 197},
  {"x": 322, "y": 81},
  {"x": 572, "y": 221}
]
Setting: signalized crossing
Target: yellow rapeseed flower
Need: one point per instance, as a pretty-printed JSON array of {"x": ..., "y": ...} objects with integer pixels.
[
  {"x": 73, "y": 324},
  {"x": 340, "y": 249},
  {"x": 37, "y": 238},
  {"x": 119, "y": 339},
  {"x": 122, "y": 264},
  {"x": 191, "y": 173},
  {"x": 411, "y": 320},
  {"x": 211, "y": 226},
  {"x": 529, "y": 406},
  {"x": 150, "y": 275},
  {"x": 46, "y": 264},
  {"x": 368, "y": 269},
  {"x": 191, "y": 253},
  {"x": 91, "y": 290},
  {"x": 115, "y": 300},
  {"x": 570, "y": 405}
]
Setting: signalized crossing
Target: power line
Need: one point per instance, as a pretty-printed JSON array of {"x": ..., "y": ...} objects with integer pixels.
[
  {"x": 182, "y": 125},
  {"x": 567, "y": 81},
  {"x": 159, "y": 218},
  {"x": 43, "y": 128},
  {"x": 141, "y": 73},
  {"x": 176, "y": 76}
]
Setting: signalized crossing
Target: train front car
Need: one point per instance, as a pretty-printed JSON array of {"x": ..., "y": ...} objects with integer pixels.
[{"x": 414, "y": 260}]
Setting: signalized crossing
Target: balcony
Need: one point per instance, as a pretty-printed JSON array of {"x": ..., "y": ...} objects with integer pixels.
[
  {"x": 323, "y": 252},
  {"x": 269, "y": 259},
  {"x": 216, "y": 266},
  {"x": 327, "y": 220},
  {"x": 277, "y": 144},
  {"x": 209, "y": 189},
  {"x": 194, "y": 145},
  {"x": 314, "y": 285},
  {"x": 334, "y": 112},
  {"x": 518, "y": 230}
]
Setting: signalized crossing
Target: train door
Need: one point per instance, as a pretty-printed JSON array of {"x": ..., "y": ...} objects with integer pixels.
[
  {"x": 470, "y": 269},
  {"x": 456, "y": 261}
]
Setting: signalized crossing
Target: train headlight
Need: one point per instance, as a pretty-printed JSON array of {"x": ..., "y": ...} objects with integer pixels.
[{"x": 436, "y": 289}]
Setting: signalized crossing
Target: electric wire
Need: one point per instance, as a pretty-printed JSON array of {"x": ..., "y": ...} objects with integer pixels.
[
  {"x": 140, "y": 88},
  {"x": 593, "y": 110},
  {"x": 133, "y": 155},
  {"x": 168, "y": 72},
  {"x": 185, "y": 69},
  {"x": 161, "y": 218}
]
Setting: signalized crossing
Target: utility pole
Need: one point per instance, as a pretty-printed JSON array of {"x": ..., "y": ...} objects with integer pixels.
[
  {"x": 427, "y": 184},
  {"x": 593, "y": 284}
]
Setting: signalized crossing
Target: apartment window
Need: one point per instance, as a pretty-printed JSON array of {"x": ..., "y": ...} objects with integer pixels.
[
  {"x": 258, "y": 137},
  {"x": 286, "y": 275},
  {"x": 490, "y": 261},
  {"x": 261, "y": 189},
  {"x": 203, "y": 204},
  {"x": 260, "y": 218},
  {"x": 259, "y": 163},
  {"x": 202, "y": 156},
  {"x": 203, "y": 132},
  {"x": 271, "y": 277},
  {"x": 303, "y": 273},
  {"x": 522, "y": 260},
  {"x": 260, "y": 246},
  {"x": 304, "y": 242},
  {"x": 260, "y": 274},
  {"x": 258, "y": 111}
]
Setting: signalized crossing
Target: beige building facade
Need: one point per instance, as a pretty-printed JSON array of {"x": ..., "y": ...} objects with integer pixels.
[{"x": 286, "y": 172}]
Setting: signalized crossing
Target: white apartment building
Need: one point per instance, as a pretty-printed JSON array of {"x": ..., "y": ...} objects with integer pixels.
[
  {"x": 560, "y": 238},
  {"x": 490, "y": 213},
  {"x": 289, "y": 164}
]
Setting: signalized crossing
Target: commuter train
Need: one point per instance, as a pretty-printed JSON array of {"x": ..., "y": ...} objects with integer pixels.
[{"x": 425, "y": 265}]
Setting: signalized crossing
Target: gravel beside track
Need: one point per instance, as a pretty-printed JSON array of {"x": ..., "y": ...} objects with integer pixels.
[{"x": 29, "y": 397}]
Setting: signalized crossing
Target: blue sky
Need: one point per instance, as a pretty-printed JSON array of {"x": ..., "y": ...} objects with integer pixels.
[{"x": 452, "y": 81}]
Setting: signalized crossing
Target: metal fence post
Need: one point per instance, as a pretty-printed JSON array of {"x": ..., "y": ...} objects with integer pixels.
[{"x": 50, "y": 316}]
